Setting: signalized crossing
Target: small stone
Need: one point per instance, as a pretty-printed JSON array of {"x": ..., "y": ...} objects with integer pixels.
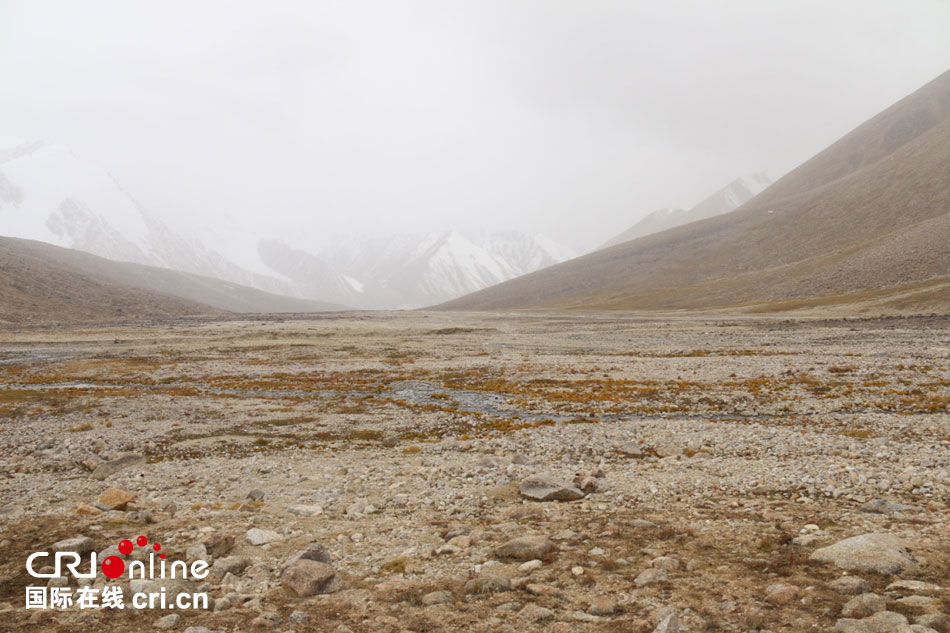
[
  {"x": 535, "y": 613},
  {"x": 169, "y": 621},
  {"x": 109, "y": 468},
  {"x": 879, "y": 553},
  {"x": 81, "y": 545},
  {"x": 548, "y": 488},
  {"x": 632, "y": 449},
  {"x": 884, "y": 506},
  {"x": 884, "y": 622},
  {"x": 305, "y": 510},
  {"x": 196, "y": 552},
  {"x": 920, "y": 604},
  {"x": 668, "y": 450},
  {"x": 936, "y": 621},
  {"x": 437, "y": 597},
  {"x": 849, "y": 585},
  {"x": 255, "y": 495},
  {"x": 603, "y": 606},
  {"x": 87, "y": 510},
  {"x": 114, "y": 499},
  {"x": 228, "y": 565},
  {"x": 530, "y": 566},
  {"x": 651, "y": 576},
  {"x": 906, "y": 587},
  {"x": 781, "y": 593},
  {"x": 257, "y": 536},
  {"x": 665, "y": 562},
  {"x": 308, "y": 578},
  {"x": 487, "y": 584},
  {"x": 669, "y": 624},
  {"x": 864, "y": 605},
  {"x": 527, "y": 548}
]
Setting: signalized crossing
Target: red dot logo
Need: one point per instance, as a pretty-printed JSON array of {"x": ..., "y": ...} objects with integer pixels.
[
  {"x": 113, "y": 567},
  {"x": 142, "y": 541},
  {"x": 156, "y": 547},
  {"x": 125, "y": 547}
]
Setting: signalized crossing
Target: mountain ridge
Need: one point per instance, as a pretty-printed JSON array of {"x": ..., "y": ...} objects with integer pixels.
[{"x": 873, "y": 213}]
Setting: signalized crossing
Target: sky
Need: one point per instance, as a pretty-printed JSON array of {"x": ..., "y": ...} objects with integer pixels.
[{"x": 308, "y": 121}]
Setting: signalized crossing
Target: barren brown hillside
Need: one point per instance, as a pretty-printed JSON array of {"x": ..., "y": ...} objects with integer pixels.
[
  {"x": 34, "y": 290},
  {"x": 40, "y": 282},
  {"x": 865, "y": 221}
]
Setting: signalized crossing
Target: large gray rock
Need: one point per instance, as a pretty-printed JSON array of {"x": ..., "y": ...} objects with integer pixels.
[
  {"x": 527, "y": 548},
  {"x": 309, "y": 578},
  {"x": 109, "y": 468},
  {"x": 548, "y": 488},
  {"x": 879, "y": 553}
]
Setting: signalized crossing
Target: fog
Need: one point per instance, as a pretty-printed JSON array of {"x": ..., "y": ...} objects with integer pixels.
[{"x": 304, "y": 121}]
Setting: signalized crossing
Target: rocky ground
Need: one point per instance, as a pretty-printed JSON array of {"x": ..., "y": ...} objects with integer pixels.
[{"x": 450, "y": 472}]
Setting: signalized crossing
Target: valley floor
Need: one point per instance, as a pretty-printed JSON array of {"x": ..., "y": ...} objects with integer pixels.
[{"x": 714, "y": 455}]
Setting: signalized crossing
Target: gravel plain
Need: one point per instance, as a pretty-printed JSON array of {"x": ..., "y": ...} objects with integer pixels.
[{"x": 491, "y": 472}]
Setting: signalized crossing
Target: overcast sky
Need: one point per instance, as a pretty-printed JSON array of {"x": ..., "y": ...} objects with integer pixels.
[{"x": 309, "y": 119}]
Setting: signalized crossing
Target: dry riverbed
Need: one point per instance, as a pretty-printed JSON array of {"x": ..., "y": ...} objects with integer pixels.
[{"x": 453, "y": 472}]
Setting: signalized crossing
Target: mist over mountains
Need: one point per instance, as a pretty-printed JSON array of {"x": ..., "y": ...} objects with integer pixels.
[
  {"x": 50, "y": 195},
  {"x": 727, "y": 199}
]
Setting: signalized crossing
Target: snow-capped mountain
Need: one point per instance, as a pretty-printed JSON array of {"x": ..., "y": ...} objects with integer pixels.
[
  {"x": 727, "y": 199},
  {"x": 48, "y": 194},
  {"x": 415, "y": 270}
]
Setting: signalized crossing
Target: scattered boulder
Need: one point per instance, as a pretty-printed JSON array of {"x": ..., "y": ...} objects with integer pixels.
[
  {"x": 547, "y": 488},
  {"x": 669, "y": 624},
  {"x": 651, "y": 576},
  {"x": 114, "y": 499},
  {"x": 908, "y": 587},
  {"x": 849, "y": 585},
  {"x": 535, "y": 613},
  {"x": 257, "y": 536},
  {"x": 80, "y": 544},
  {"x": 879, "y": 553},
  {"x": 885, "y": 622},
  {"x": 527, "y": 548},
  {"x": 936, "y": 621},
  {"x": 632, "y": 449},
  {"x": 169, "y": 621},
  {"x": 437, "y": 597},
  {"x": 781, "y": 593},
  {"x": 111, "y": 467},
  {"x": 305, "y": 510},
  {"x": 219, "y": 544},
  {"x": 884, "y": 506},
  {"x": 864, "y": 605},
  {"x": 309, "y": 578},
  {"x": 603, "y": 606},
  {"x": 230, "y": 564},
  {"x": 487, "y": 584}
]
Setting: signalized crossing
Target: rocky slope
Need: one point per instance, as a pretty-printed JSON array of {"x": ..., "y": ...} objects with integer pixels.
[{"x": 865, "y": 220}]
